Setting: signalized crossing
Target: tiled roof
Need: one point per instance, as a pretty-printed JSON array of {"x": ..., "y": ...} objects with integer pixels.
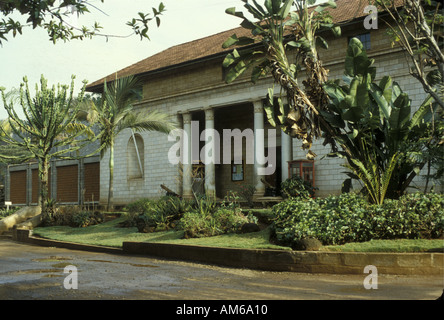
[{"x": 212, "y": 45}]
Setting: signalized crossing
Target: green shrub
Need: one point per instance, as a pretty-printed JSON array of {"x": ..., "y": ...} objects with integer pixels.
[
  {"x": 198, "y": 224},
  {"x": 296, "y": 187},
  {"x": 413, "y": 216},
  {"x": 134, "y": 209},
  {"x": 350, "y": 218},
  {"x": 247, "y": 192},
  {"x": 86, "y": 218},
  {"x": 5, "y": 213},
  {"x": 72, "y": 216},
  {"x": 156, "y": 215}
]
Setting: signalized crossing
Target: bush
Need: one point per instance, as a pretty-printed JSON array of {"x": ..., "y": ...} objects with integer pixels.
[
  {"x": 72, "y": 216},
  {"x": 156, "y": 215},
  {"x": 86, "y": 218},
  {"x": 198, "y": 224},
  {"x": 247, "y": 193},
  {"x": 413, "y": 216},
  {"x": 350, "y": 218},
  {"x": 296, "y": 187},
  {"x": 5, "y": 213}
]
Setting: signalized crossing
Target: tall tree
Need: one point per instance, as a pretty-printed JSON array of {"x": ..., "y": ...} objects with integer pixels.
[
  {"x": 53, "y": 16},
  {"x": 417, "y": 26},
  {"x": 49, "y": 129},
  {"x": 116, "y": 112},
  {"x": 276, "y": 30},
  {"x": 375, "y": 152}
]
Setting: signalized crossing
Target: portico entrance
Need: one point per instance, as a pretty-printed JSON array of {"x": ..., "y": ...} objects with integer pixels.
[{"x": 247, "y": 151}]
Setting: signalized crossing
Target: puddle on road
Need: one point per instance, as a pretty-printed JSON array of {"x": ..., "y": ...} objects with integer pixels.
[
  {"x": 51, "y": 259},
  {"x": 33, "y": 271},
  {"x": 142, "y": 265},
  {"x": 62, "y": 265},
  {"x": 131, "y": 264},
  {"x": 57, "y": 267}
]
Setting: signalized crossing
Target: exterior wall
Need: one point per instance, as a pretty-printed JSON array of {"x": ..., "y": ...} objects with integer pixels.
[
  {"x": 66, "y": 180},
  {"x": 191, "y": 89}
]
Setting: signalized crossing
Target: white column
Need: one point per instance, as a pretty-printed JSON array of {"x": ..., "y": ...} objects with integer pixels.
[
  {"x": 186, "y": 160},
  {"x": 286, "y": 153},
  {"x": 210, "y": 168},
  {"x": 259, "y": 146}
]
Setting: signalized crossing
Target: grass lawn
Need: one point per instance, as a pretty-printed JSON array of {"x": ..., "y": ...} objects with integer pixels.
[
  {"x": 108, "y": 234},
  {"x": 398, "y": 245}
]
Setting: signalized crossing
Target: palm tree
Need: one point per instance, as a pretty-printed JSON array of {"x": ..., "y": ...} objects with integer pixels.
[{"x": 116, "y": 112}]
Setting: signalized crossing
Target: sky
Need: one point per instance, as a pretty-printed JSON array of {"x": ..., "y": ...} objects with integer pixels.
[{"x": 33, "y": 54}]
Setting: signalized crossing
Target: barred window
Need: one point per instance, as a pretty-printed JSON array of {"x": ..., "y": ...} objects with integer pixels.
[{"x": 364, "y": 38}]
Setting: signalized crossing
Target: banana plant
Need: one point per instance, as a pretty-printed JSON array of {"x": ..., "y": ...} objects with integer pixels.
[
  {"x": 375, "y": 122},
  {"x": 276, "y": 31}
]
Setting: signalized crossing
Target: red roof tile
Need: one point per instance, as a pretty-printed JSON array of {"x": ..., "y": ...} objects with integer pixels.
[{"x": 212, "y": 45}]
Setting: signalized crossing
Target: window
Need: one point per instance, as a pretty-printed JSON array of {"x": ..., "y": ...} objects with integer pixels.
[
  {"x": 237, "y": 171},
  {"x": 364, "y": 38},
  {"x": 135, "y": 157}
]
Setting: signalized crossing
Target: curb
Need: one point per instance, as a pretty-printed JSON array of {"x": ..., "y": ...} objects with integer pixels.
[{"x": 266, "y": 259}]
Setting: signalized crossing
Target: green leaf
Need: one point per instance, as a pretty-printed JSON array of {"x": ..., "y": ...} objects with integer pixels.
[
  {"x": 321, "y": 41},
  {"x": 353, "y": 114},
  {"x": 385, "y": 84},
  {"x": 232, "y": 11},
  {"x": 335, "y": 92},
  {"x": 229, "y": 60},
  {"x": 419, "y": 115},
  {"x": 259, "y": 70},
  {"x": 247, "y": 24},
  {"x": 294, "y": 44},
  {"x": 269, "y": 6},
  {"x": 400, "y": 114},
  {"x": 383, "y": 105},
  {"x": 285, "y": 10},
  {"x": 230, "y": 41},
  {"x": 257, "y": 11},
  {"x": 334, "y": 120},
  {"x": 269, "y": 111},
  {"x": 336, "y": 31},
  {"x": 236, "y": 71}
]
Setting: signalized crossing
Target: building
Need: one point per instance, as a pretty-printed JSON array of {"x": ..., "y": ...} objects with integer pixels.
[
  {"x": 187, "y": 82},
  {"x": 73, "y": 182},
  {"x": 70, "y": 182}
]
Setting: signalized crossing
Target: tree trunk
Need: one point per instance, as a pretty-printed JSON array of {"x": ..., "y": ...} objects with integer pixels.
[
  {"x": 19, "y": 217},
  {"x": 111, "y": 175},
  {"x": 43, "y": 176},
  {"x": 30, "y": 223}
]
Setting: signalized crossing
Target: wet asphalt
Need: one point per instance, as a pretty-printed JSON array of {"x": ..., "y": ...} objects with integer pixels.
[{"x": 30, "y": 272}]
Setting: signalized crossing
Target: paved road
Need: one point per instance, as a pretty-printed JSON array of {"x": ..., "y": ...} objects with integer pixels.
[{"x": 33, "y": 272}]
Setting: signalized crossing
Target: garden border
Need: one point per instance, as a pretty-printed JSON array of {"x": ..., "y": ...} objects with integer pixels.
[{"x": 427, "y": 263}]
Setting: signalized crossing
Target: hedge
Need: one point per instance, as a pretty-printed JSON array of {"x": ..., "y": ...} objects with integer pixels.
[{"x": 350, "y": 218}]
